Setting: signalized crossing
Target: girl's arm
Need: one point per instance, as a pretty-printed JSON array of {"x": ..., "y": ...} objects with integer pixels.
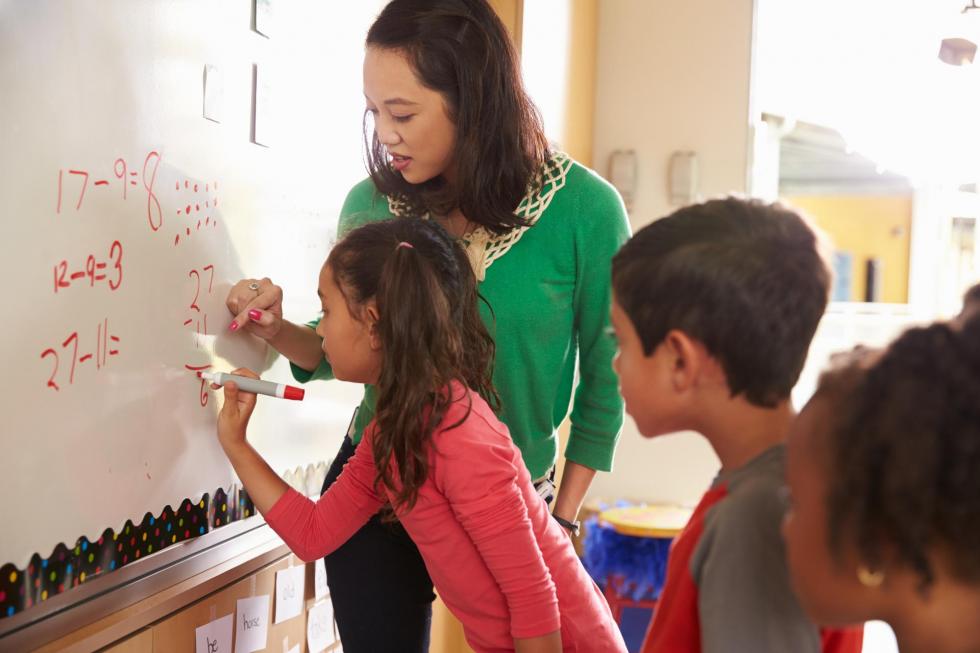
[
  {"x": 264, "y": 486},
  {"x": 310, "y": 529}
]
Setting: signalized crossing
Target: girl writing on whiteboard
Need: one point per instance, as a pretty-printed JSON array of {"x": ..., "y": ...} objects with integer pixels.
[
  {"x": 400, "y": 313},
  {"x": 453, "y": 137}
]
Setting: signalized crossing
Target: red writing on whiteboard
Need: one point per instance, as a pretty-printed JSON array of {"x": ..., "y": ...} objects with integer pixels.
[
  {"x": 75, "y": 355},
  {"x": 198, "y": 317},
  {"x": 110, "y": 270},
  {"x": 76, "y": 183},
  {"x": 150, "y": 166},
  {"x": 204, "y": 384},
  {"x": 193, "y": 208},
  {"x": 203, "y": 285},
  {"x": 194, "y": 274},
  {"x": 124, "y": 175}
]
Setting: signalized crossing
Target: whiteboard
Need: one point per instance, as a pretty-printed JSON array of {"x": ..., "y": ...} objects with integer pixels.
[{"x": 127, "y": 215}]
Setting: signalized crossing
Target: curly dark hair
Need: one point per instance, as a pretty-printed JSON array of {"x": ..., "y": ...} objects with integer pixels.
[
  {"x": 460, "y": 49},
  {"x": 904, "y": 451},
  {"x": 431, "y": 334},
  {"x": 747, "y": 279}
]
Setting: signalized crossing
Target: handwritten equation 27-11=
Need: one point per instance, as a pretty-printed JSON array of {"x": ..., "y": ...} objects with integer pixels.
[{"x": 106, "y": 345}]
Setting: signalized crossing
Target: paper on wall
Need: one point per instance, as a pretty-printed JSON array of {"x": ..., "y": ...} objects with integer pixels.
[
  {"x": 252, "y": 624},
  {"x": 319, "y": 627},
  {"x": 214, "y": 637},
  {"x": 320, "y": 579},
  {"x": 290, "y": 589}
]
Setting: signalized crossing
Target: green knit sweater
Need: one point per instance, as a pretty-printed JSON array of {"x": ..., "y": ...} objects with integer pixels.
[{"x": 549, "y": 287}]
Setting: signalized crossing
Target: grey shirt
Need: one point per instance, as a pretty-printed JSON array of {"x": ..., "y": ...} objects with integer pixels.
[{"x": 744, "y": 598}]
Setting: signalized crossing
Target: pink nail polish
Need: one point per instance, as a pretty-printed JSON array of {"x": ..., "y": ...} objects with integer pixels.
[
  {"x": 233, "y": 326},
  {"x": 255, "y": 314}
]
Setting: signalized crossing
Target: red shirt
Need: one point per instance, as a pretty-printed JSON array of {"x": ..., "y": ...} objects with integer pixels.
[
  {"x": 727, "y": 586},
  {"x": 499, "y": 561}
]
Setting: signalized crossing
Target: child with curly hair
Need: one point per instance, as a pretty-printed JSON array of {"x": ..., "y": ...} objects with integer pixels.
[{"x": 882, "y": 468}]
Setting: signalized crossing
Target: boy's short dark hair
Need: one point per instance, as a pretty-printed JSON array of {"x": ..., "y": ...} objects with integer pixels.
[{"x": 745, "y": 278}]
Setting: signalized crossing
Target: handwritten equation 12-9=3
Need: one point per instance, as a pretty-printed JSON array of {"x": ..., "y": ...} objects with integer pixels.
[{"x": 94, "y": 271}]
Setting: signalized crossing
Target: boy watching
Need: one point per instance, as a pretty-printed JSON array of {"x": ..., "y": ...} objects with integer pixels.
[{"x": 714, "y": 308}]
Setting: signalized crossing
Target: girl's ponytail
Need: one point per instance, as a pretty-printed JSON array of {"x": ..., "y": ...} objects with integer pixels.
[{"x": 431, "y": 334}]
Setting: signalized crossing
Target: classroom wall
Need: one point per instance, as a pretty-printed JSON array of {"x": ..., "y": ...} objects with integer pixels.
[
  {"x": 511, "y": 14},
  {"x": 559, "y": 64},
  {"x": 674, "y": 75},
  {"x": 580, "y": 117},
  {"x": 671, "y": 75}
]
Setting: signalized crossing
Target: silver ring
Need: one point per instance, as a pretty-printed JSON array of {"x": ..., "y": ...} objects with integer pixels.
[{"x": 254, "y": 286}]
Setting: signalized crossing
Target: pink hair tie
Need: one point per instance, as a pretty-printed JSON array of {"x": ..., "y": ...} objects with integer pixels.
[{"x": 405, "y": 244}]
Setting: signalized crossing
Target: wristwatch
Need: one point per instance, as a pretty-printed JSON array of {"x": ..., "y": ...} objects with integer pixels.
[{"x": 570, "y": 526}]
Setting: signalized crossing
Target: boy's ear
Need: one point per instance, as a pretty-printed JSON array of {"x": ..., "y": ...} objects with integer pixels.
[
  {"x": 372, "y": 315},
  {"x": 686, "y": 359}
]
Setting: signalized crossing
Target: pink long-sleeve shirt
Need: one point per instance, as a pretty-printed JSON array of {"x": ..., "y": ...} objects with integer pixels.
[{"x": 501, "y": 564}]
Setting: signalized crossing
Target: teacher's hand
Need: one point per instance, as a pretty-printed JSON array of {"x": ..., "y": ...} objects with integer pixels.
[{"x": 256, "y": 305}]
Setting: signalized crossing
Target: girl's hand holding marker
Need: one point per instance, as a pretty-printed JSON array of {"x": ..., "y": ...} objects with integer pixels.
[
  {"x": 241, "y": 387},
  {"x": 252, "y": 383}
]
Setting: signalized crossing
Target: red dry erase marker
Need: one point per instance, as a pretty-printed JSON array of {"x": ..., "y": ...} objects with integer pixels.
[{"x": 258, "y": 386}]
